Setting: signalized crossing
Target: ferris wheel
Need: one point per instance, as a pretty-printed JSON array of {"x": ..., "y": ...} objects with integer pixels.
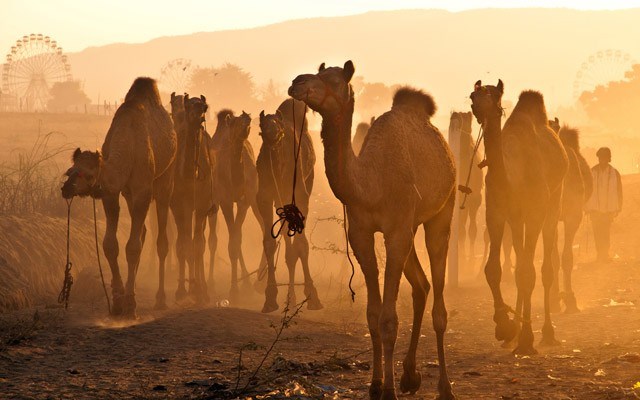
[
  {"x": 600, "y": 68},
  {"x": 175, "y": 75},
  {"x": 32, "y": 66}
]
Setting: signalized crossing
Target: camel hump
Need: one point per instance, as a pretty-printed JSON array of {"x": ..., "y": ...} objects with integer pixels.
[
  {"x": 289, "y": 106},
  {"x": 570, "y": 137},
  {"x": 144, "y": 90},
  {"x": 531, "y": 102},
  {"x": 415, "y": 99}
]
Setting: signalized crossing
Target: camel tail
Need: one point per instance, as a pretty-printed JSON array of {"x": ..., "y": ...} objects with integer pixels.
[{"x": 414, "y": 98}]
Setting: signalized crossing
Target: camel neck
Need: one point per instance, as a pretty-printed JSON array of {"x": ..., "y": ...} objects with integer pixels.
[
  {"x": 492, "y": 142},
  {"x": 341, "y": 165}
]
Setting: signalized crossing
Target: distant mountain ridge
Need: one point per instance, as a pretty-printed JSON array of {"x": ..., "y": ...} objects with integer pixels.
[{"x": 440, "y": 51}]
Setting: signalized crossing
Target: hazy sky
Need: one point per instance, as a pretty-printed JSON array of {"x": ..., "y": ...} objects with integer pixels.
[{"x": 77, "y": 24}]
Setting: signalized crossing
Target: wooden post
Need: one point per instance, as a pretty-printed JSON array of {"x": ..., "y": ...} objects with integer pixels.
[{"x": 453, "y": 259}]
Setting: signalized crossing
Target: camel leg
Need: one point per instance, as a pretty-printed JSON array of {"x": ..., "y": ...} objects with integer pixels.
[
  {"x": 473, "y": 233},
  {"x": 213, "y": 246},
  {"x": 525, "y": 282},
  {"x": 554, "y": 292},
  {"x": 485, "y": 254},
  {"x": 506, "y": 329},
  {"x": 111, "y": 249},
  {"x": 227, "y": 212},
  {"x": 241, "y": 215},
  {"x": 138, "y": 204},
  {"x": 550, "y": 240},
  {"x": 411, "y": 379},
  {"x": 507, "y": 247},
  {"x": 162, "y": 246},
  {"x": 437, "y": 232},
  {"x": 183, "y": 248},
  {"x": 290, "y": 258},
  {"x": 462, "y": 234},
  {"x": 200, "y": 291},
  {"x": 265, "y": 207},
  {"x": 301, "y": 248},
  {"x": 398, "y": 243},
  {"x": 362, "y": 243},
  {"x": 260, "y": 284},
  {"x": 571, "y": 225}
]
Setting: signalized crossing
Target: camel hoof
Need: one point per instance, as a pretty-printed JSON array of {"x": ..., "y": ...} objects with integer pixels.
[
  {"x": 313, "y": 301},
  {"x": 548, "y": 336},
  {"x": 506, "y": 329},
  {"x": 410, "y": 382},
  {"x": 389, "y": 394},
  {"x": 117, "y": 307},
  {"x": 375, "y": 390},
  {"x": 129, "y": 307},
  {"x": 525, "y": 350},
  {"x": 270, "y": 306},
  {"x": 572, "y": 309},
  {"x": 234, "y": 295},
  {"x": 181, "y": 293},
  {"x": 554, "y": 306},
  {"x": 211, "y": 288},
  {"x": 161, "y": 303},
  {"x": 569, "y": 300},
  {"x": 291, "y": 298}
]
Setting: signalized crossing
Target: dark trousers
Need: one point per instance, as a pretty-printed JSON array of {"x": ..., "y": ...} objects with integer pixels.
[{"x": 601, "y": 223}]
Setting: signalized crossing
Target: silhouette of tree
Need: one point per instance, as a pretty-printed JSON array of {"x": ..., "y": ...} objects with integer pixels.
[
  {"x": 613, "y": 105},
  {"x": 67, "y": 95},
  {"x": 271, "y": 96},
  {"x": 228, "y": 86},
  {"x": 372, "y": 99}
]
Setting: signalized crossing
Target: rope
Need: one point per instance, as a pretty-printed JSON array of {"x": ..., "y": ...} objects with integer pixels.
[
  {"x": 353, "y": 268},
  {"x": 466, "y": 189},
  {"x": 290, "y": 213},
  {"x": 65, "y": 293},
  {"x": 95, "y": 231}
]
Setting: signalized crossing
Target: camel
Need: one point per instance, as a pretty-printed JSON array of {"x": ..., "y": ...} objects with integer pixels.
[
  {"x": 235, "y": 182},
  {"x": 137, "y": 161},
  {"x": 404, "y": 177},
  {"x": 361, "y": 133},
  {"x": 280, "y": 135},
  {"x": 467, "y": 162},
  {"x": 526, "y": 167},
  {"x": 192, "y": 198},
  {"x": 578, "y": 185}
]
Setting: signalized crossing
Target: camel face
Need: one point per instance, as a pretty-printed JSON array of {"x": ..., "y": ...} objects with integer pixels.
[
  {"x": 326, "y": 92},
  {"x": 486, "y": 100},
  {"x": 177, "y": 103},
  {"x": 83, "y": 175},
  {"x": 239, "y": 127},
  {"x": 271, "y": 128},
  {"x": 195, "y": 109}
]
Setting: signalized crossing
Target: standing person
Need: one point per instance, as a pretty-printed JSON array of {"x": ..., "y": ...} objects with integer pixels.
[{"x": 605, "y": 202}]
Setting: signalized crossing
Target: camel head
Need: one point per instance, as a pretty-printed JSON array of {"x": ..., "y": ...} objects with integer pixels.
[
  {"x": 238, "y": 127},
  {"x": 195, "y": 109},
  {"x": 83, "y": 175},
  {"x": 555, "y": 124},
  {"x": 271, "y": 128},
  {"x": 327, "y": 92},
  {"x": 486, "y": 101},
  {"x": 463, "y": 120}
]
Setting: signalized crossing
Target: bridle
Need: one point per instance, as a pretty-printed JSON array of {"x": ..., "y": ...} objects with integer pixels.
[{"x": 328, "y": 92}]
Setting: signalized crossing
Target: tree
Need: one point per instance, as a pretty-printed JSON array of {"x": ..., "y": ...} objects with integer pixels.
[
  {"x": 613, "y": 105},
  {"x": 228, "y": 86},
  {"x": 65, "y": 95},
  {"x": 372, "y": 99}
]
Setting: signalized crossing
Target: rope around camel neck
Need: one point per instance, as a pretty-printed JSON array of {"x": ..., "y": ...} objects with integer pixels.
[{"x": 466, "y": 189}]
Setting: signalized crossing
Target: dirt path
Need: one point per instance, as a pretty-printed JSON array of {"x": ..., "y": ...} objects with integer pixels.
[{"x": 190, "y": 352}]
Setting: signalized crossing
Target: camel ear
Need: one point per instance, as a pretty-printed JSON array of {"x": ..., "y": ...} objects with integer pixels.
[
  {"x": 261, "y": 115},
  {"x": 500, "y": 86},
  {"x": 76, "y": 154},
  {"x": 279, "y": 115},
  {"x": 227, "y": 119},
  {"x": 477, "y": 85},
  {"x": 557, "y": 120},
  {"x": 173, "y": 95},
  {"x": 373, "y": 119},
  {"x": 321, "y": 67},
  {"x": 185, "y": 99},
  {"x": 204, "y": 99},
  {"x": 348, "y": 70}
]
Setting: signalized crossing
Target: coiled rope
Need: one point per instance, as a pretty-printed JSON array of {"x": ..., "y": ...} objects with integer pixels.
[{"x": 65, "y": 293}]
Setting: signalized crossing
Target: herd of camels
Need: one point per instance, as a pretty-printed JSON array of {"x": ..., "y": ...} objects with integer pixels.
[{"x": 398, "y": 174}]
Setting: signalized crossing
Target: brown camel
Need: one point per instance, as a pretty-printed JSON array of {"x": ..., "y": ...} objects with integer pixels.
[
  {"x": 192, "y": 198},
  {"x": 578, "y": 185},
  {"x": 526, "y": 167},
  {"x": 361, "y": 133},
  {"x": 467, "y": 162},
  {"x": 280, "y": 136},
  {"x": 404, "y": 177},
  {"x": 137, "y": 160},
  {"x": 235, "y": 182}
]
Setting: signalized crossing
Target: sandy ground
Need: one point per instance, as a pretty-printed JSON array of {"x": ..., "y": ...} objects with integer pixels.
[{"x": 192, "y": 352}]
